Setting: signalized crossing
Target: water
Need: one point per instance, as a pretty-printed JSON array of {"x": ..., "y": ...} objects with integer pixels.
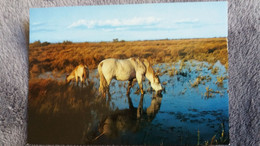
[{"x": 175, "y": 117}]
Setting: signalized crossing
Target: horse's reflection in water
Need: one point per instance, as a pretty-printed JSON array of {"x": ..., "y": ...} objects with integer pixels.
[{"x": 128, "y": 120}]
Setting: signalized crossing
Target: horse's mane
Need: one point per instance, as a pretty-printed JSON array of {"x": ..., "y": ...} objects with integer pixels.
[
  {"x": 138, "y": 62},
  {"x": 149, "y": 67}
]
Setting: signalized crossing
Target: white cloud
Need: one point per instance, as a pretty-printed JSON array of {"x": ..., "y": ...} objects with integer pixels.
[
  {"x": 187, "y": 20},
  {"x": 136, "y": 21}
]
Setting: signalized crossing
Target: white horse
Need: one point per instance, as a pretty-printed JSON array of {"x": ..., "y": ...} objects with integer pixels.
[
  {"x": 81, "y": 72},
  {"x": 126, "y": 69}
]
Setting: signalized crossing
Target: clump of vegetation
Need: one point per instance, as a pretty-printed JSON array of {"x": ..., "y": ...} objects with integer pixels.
[
  {"x": 67, "y": 42},
  {"x": 160, "y": 73},
  {"x": 210, "y": 67},
  {"x": 189, "y": 70},
  {"x": 115, "y": 40},
  {"x": 209, "y": 93},
  {"x": 171, "y": 73},
  {"x": 196, "y": 82},
  {"x": 198, "y": 68},
  {"x": 215, "y": 70},
  {"x": 199, "y": 79},
  {"x": 208, "y": 78},
  {"x": 164, "y": 83},
  {"x": 223, "y": 139},
  {"x": 182, "y": 65},
  {"x": 39, "y": 44},
  {"x": 220, "y": 80}
]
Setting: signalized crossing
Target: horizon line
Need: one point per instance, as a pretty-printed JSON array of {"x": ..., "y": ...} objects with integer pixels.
[{"x": 122, "y": 40}]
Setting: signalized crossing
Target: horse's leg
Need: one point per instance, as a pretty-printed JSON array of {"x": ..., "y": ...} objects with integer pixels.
[
  {"x": 139, "y": 78},
  {"x": 86, "y": 81},
  {"x": 85, "y": 78},
  {"x": 130, "y": 103},
  {"x": 108, "y": 94},
  {"x": 76, "y": 80},
  {"x": 81, "y": 80},
  {"x": 107, "y": 87},
  {"x": 129, "y": 86}
]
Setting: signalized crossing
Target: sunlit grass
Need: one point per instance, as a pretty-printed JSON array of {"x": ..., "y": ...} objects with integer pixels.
[{"x": 63, "y": 57}]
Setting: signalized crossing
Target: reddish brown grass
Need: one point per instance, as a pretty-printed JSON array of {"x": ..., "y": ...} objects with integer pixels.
[{"x": 65, "y": 56}]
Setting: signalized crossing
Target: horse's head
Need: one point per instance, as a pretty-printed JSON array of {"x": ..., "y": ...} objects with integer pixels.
[
  {"x": 67, "y": 80},
  {"x": 156, "y": 85},
  {"x": 152, "y": 77}
]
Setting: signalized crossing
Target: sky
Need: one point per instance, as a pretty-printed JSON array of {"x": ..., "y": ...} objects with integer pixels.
[{"x": 129, "y": 22}]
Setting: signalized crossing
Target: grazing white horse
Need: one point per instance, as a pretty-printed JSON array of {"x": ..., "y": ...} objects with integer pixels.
[
  {"x": 81, "y": 72},
  {"x": 126, "y": 69}
]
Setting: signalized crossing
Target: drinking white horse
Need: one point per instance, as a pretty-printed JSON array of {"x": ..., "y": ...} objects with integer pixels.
[
  {"x": 126, "y": 69},
  {"x": 81, "y": 72}
]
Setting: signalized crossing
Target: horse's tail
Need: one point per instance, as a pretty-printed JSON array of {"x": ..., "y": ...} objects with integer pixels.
[{"x": 103, "y": 82}]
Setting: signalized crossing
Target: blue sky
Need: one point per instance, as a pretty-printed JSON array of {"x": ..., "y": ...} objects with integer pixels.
[{"x": 129, "y": 22}]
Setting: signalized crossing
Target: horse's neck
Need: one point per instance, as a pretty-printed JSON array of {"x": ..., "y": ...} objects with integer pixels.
[
  {"x": 149, "y": 74},
  {"x": 138, "y": 65}
]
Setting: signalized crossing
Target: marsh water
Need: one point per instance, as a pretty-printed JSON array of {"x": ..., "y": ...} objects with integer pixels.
[{"x": 184, "y": 114}]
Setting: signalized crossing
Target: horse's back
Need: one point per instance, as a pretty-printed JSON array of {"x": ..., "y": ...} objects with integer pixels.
[
  {"x": 79, "y": 70},
  {"x": 108, "y": 64},
  {"x": 121, "y": 69}
]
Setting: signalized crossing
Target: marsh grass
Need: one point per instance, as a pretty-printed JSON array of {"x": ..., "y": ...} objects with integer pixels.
[
  {"x": 210, "y": 93},
  {"x": 220, "y": 80},
  {"x": 200, "y": 79},
  {"x": 218, "y": 139},
  {"x": 210, "y": 67},
  {"x": 196, "y": 82},
  {"x": 63, "y": 57},
  {"x": 215, "y": 70}
]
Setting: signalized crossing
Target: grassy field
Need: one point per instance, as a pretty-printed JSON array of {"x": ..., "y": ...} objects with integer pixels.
[{"x": 63, "y": 57}]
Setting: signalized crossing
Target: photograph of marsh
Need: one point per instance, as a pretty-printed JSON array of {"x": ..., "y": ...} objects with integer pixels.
[{"x": 143, "y": 74}]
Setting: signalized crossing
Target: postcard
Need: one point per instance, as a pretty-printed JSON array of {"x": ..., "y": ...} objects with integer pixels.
[{"x": 139, "y": 74}]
